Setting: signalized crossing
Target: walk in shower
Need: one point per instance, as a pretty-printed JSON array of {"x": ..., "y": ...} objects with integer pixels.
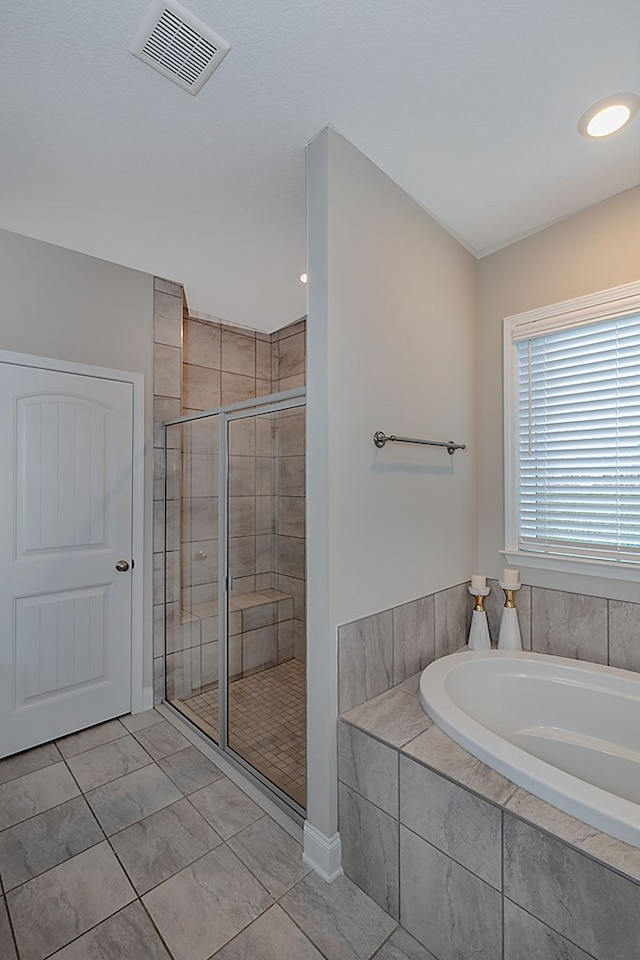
[{"x": 235, "y": 634}]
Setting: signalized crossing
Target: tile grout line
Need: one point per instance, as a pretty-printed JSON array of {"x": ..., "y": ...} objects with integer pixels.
[
  {"x": 588, "y": 956},
  {"x": 502, "y": 897},
  {"x": 37, "y": 769},
  {"x": 272, "y": 898},
  {"x": 44, "y": 872},
  {"x": 138, "y": 897},
  {"x": 3, "y": 895},
  {"x": 293, "y": 920}
]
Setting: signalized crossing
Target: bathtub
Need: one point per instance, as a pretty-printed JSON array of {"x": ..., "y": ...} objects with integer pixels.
[{"x": 565, "y": 730}]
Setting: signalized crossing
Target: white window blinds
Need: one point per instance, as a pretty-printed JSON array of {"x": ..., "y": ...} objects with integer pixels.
[{"x": 577, "y": 442}]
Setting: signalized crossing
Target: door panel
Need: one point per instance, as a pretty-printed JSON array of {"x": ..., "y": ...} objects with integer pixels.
[
  {"x": 61, "y": 445},
  {"x": 65, "y": 520},
  {"x": 191, "y": 571},
  {"x": 266, "y": 705},
  {"x": 60, "y": 642}
]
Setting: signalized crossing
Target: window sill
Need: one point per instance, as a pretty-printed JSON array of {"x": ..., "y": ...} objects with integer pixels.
[{"x": 610, "y": 569}]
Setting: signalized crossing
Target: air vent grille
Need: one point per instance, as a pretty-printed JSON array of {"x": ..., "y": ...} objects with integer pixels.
[{"x": 178, "y": 45}]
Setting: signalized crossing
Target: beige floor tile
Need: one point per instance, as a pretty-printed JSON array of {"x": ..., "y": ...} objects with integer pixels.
[
  {"x": 159, "y": 846},
  {"x": 28, "y": 762},
  {"x": 272, "y": 935},
  {"x": 201, "y": 908},
  {"x": 34, "y": 793},
  {"x": 59, "y": 905},
  {"x": 127, "y": 935}
]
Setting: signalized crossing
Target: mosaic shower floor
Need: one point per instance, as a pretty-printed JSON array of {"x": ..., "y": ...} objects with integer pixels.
[{"x": 267, "y": 723}]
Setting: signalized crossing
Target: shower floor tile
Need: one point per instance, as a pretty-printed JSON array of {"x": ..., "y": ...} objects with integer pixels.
[{"x": 267, "y": 723}]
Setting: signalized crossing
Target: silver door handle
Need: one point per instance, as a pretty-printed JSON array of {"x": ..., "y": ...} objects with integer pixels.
[{"x": 122, "y": 566}]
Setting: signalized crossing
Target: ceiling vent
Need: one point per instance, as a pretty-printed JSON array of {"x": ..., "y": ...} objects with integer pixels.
[{"x": 178, "y": 45}]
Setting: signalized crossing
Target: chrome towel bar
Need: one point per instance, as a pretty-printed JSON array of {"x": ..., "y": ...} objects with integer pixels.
[{"x": 380, "y": 438}]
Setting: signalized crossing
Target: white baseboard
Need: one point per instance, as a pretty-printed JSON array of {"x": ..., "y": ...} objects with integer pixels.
[{"x": 323, "y": 854}]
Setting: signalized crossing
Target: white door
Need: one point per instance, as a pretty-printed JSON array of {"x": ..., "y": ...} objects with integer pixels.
[{"x": 65, "y": 521}]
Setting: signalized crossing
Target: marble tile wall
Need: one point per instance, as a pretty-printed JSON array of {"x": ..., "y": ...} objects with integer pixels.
[
  {"x": 377, "y": 652},
  {"x": 460, "y": 865}
]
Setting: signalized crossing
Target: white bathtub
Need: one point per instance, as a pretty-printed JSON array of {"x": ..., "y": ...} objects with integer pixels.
[{"x": 565, "y": 730}]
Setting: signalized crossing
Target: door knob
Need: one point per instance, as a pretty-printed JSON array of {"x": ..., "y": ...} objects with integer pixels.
[{"x": 122, "y": 566}]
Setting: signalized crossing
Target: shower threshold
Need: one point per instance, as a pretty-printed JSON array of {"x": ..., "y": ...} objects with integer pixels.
[{"x": 267, "y": 723}]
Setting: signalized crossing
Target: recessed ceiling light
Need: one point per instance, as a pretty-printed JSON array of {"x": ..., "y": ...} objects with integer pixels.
[
  {"x": 303, "y": 278},
  {"x": 609, "y": 115}
]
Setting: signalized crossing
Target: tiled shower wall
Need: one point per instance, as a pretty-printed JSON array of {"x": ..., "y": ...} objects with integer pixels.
[
  {"x": 223, "y": 365},
  {"x": 167, "y": 405},
  {"x": 198, "y": 366},
  {"x": 377, "y": 652},
  {"x": 289, "y": 544}
]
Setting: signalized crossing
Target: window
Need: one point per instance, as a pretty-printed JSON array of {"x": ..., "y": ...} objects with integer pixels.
[{"x": 572, "y": 435}]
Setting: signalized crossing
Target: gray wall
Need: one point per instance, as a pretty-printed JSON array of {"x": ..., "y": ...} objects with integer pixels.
[
  {"x": 65, "y": 305},
  {"x": 391, "y": 332},
  {"x": 596, "y": 249}
]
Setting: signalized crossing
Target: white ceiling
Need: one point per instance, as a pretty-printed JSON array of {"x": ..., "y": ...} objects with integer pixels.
[{"x": 470, "y": 105}]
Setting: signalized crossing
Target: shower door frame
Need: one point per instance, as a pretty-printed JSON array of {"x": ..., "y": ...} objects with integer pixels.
[{"x": 270, "y": 403}]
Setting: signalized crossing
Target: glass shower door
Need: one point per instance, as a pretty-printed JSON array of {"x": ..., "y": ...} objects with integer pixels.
[
  {"x": 191, "y": 571},
  {"x": 266, "y": 705}
]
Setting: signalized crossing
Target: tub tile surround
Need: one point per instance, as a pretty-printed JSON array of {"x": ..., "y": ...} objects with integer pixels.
[
  {"x": 483, "y": 864},
  {"x": 525, "y": 936},
  {"x": 436, "y": 891},
  {"x": 435, "y": 747},
  {"x": 570, "y": 625},
  {"x": 595, "y": 908},
  {"x": 623, "y": 634},
  {"x": 465, "y": 827},
  {"x": 369, "y": 767},
  {"x": 365, "y": 658},
  {"x": 371, "y": 858},
  {"x": 395, "y": 717},
  {"x": 459, "y": 825},
  {"x": 378, "y": 652},
  {"x": 414, "y": 637}
]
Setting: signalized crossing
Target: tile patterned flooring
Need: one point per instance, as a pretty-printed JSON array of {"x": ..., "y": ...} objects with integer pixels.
[
  {"x": 124, "y": 842},
  {"x": 267, "y": 723}
]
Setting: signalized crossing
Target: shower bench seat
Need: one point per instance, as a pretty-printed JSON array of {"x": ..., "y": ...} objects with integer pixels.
[
  {"x": 268, "y": 606},
  {"x": 261, "y": 631}
]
